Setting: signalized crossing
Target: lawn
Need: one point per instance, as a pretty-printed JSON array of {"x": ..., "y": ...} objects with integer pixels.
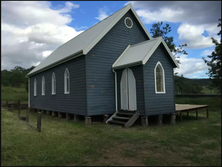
[
  {"x": 13, "y": 94},
  {"x": 68, "y": 143},
  {"x": 209, "y": 91}
]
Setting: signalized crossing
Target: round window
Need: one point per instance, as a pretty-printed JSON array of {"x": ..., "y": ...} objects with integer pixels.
[{"x": 128, "y": 22}]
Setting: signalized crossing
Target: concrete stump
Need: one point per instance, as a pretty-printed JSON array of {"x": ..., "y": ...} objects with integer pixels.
[
  {"x": 173, "y": 119},
  {"x": 88, "y": 121},
  {"x": 105, "y": 118},
  {"x": 144, "y": 121},
  {"x": 68, "y": 116},
  {"x": 59, "y": 114},
  {"x": 160, "y": 120},
  {"x": 54, "y": 113},
  {"x": 76, "y": 118}
]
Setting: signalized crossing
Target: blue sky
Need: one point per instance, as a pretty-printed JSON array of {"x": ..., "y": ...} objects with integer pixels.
[{"x": 49, "y": 24}]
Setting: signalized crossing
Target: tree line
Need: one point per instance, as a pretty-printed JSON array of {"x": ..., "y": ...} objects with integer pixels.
[{"x": 15, "y": 77}]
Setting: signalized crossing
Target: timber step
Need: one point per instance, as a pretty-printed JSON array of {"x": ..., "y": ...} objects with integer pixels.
[
  {"x": 117, "y": 122},
  {"x": 125, "y": 114},
  {"x": 125, "y": 119}
]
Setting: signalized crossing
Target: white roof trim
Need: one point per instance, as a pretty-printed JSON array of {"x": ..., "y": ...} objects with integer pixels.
[
  {"x": 120, "y": 62},
  {"x": 144, "y": 28},
  {"x": 160, "y": 39},
  {"x": 120, "y": 56},
  {"x": 106, "y": 30}
]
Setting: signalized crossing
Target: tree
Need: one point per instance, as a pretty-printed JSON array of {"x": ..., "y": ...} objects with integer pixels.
[
  {"x": 157, "y": 30},
  {"x": 214, "y": 70}
]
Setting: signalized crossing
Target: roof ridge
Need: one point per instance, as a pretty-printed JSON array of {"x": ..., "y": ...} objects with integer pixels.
[{"x": 91, "y": 27}]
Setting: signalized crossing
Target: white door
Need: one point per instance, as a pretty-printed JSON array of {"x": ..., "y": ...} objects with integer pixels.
[{"x": 128, "y": 90}]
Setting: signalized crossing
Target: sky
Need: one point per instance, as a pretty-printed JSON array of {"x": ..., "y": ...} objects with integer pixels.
[{"x": 32, "y": 30}]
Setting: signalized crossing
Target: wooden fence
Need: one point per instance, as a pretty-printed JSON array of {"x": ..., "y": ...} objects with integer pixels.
[
  {"x": 16, "y": 104},
  {"x": 12, "y": 106}
]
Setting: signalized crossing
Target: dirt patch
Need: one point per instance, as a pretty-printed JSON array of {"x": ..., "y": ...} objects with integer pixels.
[
  {"x": 114, "y": 156},
  {"x": 140, "y": 154}
]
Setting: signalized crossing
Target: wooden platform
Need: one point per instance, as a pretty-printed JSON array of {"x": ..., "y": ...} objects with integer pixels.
[{"x": 181, "y": 108}]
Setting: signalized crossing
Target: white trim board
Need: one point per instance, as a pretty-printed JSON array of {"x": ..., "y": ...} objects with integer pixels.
[{"x": 143, "y": 51}]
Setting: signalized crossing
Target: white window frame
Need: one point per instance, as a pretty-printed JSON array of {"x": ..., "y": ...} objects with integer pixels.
[
  {"x": 53, "y": 84},
  {"x": 35, "y": 87},
  {"x": 66, "y": 73},
  {"x": 43, "y": 85},
  {"x": 164, "y": 89},
  {"x": 126, "y": 24}
]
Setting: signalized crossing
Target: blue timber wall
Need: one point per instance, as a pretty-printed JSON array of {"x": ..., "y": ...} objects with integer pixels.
[
  {"x": 138, "y": 74},
  {"x": 100, "y": 78},
  {"x": 73, "y": 103},
  {"x": 156, "y": 104}
]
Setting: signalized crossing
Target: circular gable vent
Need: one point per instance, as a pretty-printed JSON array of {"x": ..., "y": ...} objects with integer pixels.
[{"x": 128, "y": 22}]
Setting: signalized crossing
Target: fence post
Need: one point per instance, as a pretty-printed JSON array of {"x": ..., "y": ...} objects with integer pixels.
[
  {"x": 12, "y": 108},
  {"x": 27, "y": 115},
  {"x": 19, "y": 108},
  {"x": 39, "y": 121}
]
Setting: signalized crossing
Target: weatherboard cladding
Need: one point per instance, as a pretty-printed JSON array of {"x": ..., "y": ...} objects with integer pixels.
[
  {"x": 75, "y": 102},
  {"x": 159, "y": 103},
  {"x": 138, "y": 74},
  {"x": 100, "y": 78}
]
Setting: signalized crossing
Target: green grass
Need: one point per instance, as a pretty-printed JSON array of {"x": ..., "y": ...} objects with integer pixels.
[
  {"x": 67, "y": 143},
  {"x": 209, "y": 91},
  {"x": 13, "y": 94}
]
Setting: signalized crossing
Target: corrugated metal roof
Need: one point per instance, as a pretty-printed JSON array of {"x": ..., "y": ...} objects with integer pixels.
[
  {"x": 85, "y": 41},
  {"x": 140, "y": 53}
]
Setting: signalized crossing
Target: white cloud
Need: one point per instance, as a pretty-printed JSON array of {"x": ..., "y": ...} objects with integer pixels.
[
  {"x": 191, "y": 67},
  {"x": 28, "y": 38},
  {"x": 102, "y": 14},
  {"x": 46, "y": 53},
  {"x": 207, "y": 52},
  {"x": 195, "y": 18},
  {"x": 192, "y": 35},
  {"x": 164, "y": 14}
]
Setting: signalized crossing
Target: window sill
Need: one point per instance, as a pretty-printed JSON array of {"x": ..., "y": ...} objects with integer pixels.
[
  {"x": 160, "y": 92},
  {"x": 53, "y": 93},
  {"x": 66, "y": 93}
]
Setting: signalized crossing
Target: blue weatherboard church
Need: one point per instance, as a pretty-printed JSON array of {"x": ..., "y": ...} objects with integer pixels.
[{"x": 114, "y": 68}]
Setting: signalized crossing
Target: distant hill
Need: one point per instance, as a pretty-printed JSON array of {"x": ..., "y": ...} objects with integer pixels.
[
  {"x": 193, "y": 86},
  {"x": 201, "y": 82}
]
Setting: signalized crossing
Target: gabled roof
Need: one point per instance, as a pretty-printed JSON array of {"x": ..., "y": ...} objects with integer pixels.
[
  {"x": 84, "y": 42},
  {"x": 140, "y": 53}
]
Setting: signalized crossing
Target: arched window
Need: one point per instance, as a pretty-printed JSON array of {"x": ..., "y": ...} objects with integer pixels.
[
  {"x": 66, "y": 82},
  {"x": 35, "y": 87},
  {"x": 53, "y": 84},
  {"x": 159, "y": 78},
  {"x": 43, "y": 85}
]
